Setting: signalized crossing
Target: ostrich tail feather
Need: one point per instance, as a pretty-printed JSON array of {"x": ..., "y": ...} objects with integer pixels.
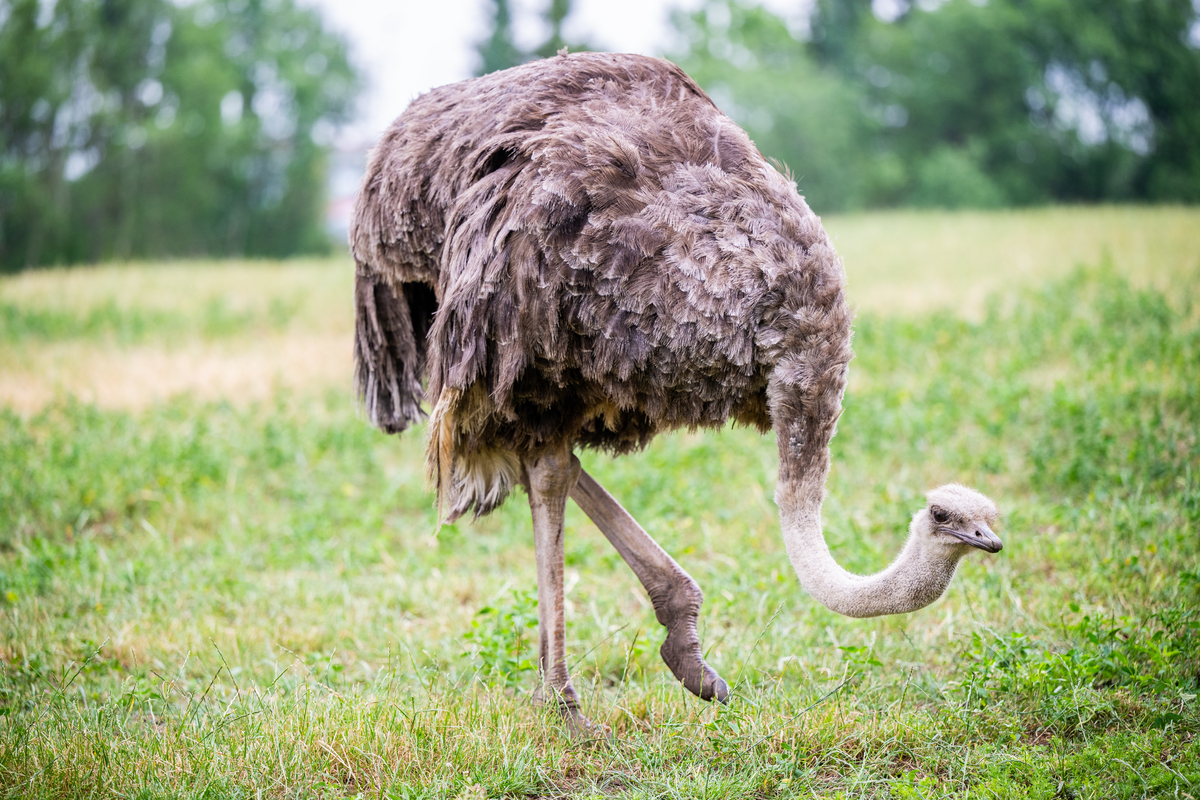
[
  {"x": 439, "y": 452},
  {"x": 480, "y": 479}
]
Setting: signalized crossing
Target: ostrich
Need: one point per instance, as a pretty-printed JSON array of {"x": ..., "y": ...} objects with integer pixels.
[{"x": 584, "y": 252}]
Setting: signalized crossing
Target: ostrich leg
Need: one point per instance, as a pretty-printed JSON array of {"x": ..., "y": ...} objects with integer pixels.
[
  {"x": 549, "y": 479},
  {"x": 675, "y": 595}
]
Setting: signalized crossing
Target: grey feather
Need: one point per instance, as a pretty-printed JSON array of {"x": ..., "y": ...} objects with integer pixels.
[{"x": 585, "y": 249}]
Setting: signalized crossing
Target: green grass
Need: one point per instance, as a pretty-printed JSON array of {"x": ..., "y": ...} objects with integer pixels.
[{"x": 234, "y": 599}]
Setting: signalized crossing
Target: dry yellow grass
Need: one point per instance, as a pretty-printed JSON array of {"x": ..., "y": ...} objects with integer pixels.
[
  {"x": 311, "y": 351},
  {"x": 905, "y": 262},
  {"x": 239, "y": 370},
  {"x": 318, "y": 290},
  {"x": 908, "y": 262}
]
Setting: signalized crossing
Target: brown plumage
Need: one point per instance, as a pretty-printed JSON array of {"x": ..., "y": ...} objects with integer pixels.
[
  {"x": 584, "y": 252},
  {"x": 608, "y": 257}
]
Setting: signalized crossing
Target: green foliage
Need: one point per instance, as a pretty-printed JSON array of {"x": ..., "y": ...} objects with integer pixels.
[
  {"x": 950, "y": 178},
  {"x": 503, "y": 640},
  {"x": 963, "y": 104},
  {"x": 1150, "y": 663},
  {"x": 794, "y": 110},
  {"x": 556, "y": 15},
  {"x": 143, "y": 128},
  {"x": 499, "y": 51},
  {"x": 1159, "y": 653}
]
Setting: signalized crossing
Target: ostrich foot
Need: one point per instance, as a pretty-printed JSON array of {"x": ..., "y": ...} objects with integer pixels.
[
  {"x": 675, "y": 596},
  {"x": 681, "y": 651},
  {"x": 692, "y": 671},
  {"x": 566, "y": 703}
]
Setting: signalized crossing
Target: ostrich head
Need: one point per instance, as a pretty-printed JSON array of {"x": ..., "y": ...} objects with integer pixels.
[{"x": 956, "y": 520}]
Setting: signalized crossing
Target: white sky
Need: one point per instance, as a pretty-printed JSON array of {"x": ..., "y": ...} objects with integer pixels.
[{"x": 405, "y": 47}]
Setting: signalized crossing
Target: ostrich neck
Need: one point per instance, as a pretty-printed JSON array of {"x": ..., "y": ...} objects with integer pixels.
[
  {"x": 914, "y": 580},
  {"x": 907, "y": 584}
]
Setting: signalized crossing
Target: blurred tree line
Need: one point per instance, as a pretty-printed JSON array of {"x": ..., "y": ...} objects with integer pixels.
[
  {"x": 500, "y": 50},
  {"x": 947, "y": 103},
  {"x": 145, "y": 128},
  {"x": 962, "y": 103}
]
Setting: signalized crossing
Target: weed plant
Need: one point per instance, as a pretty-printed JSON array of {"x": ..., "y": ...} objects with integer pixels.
[{"x": 216, "y": 600}]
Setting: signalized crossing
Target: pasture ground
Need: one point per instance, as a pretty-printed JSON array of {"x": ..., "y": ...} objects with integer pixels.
[{"x": 217, "y": 581}]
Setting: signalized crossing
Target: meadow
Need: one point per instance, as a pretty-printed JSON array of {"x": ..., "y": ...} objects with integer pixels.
[{"x": 216, "y": 580}]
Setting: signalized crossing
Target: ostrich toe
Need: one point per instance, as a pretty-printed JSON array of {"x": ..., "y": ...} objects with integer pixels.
[
  {"x": 685, "y": 661},
  {"x": 677, "y": 610}
]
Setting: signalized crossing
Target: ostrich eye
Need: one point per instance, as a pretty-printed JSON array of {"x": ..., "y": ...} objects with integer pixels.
[{"x": 940, "y": 517}]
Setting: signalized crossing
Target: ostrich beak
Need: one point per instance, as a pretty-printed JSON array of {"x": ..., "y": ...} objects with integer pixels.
[{"x": 977, "y": 535}]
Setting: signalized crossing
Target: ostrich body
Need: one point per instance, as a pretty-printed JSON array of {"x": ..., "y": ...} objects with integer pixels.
[{"x": 584, "y": 252}]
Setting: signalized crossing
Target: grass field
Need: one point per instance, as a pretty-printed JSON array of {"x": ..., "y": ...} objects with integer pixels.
[{"x": 217, "y": 581}]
